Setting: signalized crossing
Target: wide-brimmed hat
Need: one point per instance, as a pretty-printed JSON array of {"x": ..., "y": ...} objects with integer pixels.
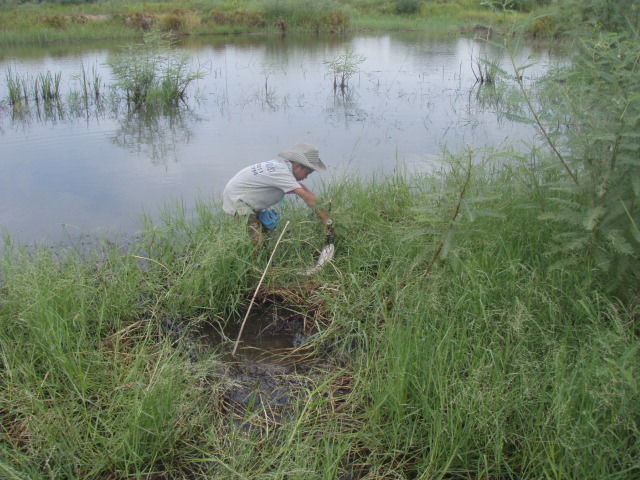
[{"x": 304, "y": 154}]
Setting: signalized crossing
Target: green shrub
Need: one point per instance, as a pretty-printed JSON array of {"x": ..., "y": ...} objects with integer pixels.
[
  {"x": 407, "y": 7},
  {"x": 152, "y": 72},
  {"x": 518, "y": 5},
  {"x": 619, "y": 16},
  {"x": 588, "y": 116}
]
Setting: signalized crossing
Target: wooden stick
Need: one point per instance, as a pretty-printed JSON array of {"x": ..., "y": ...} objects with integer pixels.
[{"x": 235, "y": 347}]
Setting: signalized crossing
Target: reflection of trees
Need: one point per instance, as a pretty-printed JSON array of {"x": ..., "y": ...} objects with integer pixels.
[
  {"x": 344, "y": 106},
  {"x": 156, "y": 132}
]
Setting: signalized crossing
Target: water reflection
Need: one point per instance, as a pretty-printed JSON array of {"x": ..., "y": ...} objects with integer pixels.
[
  {"x": 414, "y": 95},
  {"x": 156, "y": 133}
]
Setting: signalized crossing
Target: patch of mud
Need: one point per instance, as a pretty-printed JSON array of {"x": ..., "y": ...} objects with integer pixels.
[
  {"x": 271, "y": 367},
  {"x": 265, "y": 372},
  {"x": 96, "y": 17},
  {"x": 478, "y": 30}
]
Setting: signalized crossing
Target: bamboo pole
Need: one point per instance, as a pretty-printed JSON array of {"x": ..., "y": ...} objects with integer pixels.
[{"x": 235, "y": 347}]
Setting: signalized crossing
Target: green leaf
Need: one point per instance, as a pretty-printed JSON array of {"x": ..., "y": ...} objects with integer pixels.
[
  {"x": 563, "y": 264},
  {"x": 519, "y": 118},
  {"x": 448, "y": 243},
  {"x": 578, "y": 244},
  {"x": 490, "y": 213},
  {"x": 620, "y": 244},
  {"x": 594, "y": 217},
  {"x": 635, "y": 231},
  {"x": 565, "y": 217},
  {"x": 574, "y": 206},
  {"x": 603, "y": 137},
  {"x": 603, "y": 260}
]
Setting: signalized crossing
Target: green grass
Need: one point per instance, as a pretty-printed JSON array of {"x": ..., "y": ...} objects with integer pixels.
[
  {"x": 45, "y": 23},
  {"x": 494, "y": 364},
  {"x": 455, "y": 338}
]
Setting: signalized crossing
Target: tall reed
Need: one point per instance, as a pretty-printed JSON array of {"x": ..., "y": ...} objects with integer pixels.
[
  {"x": 17, "y": 87},
  {"x": 47, "y": 86},
  {"x": 91, "y": 84}
]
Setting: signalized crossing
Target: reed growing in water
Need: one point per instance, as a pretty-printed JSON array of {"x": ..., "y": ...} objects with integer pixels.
[
  {"x": 152, "y": 72},
  {"x": 148, "y": 75}
]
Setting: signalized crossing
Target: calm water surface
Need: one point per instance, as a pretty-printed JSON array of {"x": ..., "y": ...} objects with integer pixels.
[{"x": 67, "y": 174}]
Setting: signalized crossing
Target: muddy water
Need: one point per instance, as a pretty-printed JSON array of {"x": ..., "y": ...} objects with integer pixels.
[
  {"x": 69, "y": 171},
  {"x": 263, "y": 372},
  {"x": 270, "y": 336}
]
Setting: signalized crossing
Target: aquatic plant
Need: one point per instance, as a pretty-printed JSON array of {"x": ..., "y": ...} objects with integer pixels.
[
  {"x": 343, "y": 67},
  {"x": 47, "y": 86},
  {"x": 152, "y": 72},
  {"x": 483, "y": 70},
  {"x": 160, "y": 82},
  {"x": 91, "y": 83},
  {"x": 17, "y": 87},
  {"x": 44, "y": 87}
]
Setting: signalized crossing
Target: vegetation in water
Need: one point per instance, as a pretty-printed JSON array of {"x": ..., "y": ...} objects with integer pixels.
[
  {"x": 152, "y": 72},
  {"x": 342, "y": 68},
  {"x": 45, "y": 88},
  {"x": 477, "y": 322},
  {"x": 151, "y": 75},
  {"x": 17, "y": 88}
]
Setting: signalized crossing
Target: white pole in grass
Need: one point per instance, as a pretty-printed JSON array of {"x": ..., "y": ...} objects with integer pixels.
[{"x": 235, "y": 347}]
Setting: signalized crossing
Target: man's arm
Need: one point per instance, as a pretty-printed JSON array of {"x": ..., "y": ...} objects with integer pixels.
[{"x": 310, "y": 199}]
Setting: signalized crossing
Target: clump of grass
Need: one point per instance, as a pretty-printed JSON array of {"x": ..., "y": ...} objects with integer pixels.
[
  {"x": 23, "y": 88},
  {"x": 91, "y": 84},
  {"x": 47, "y": 86},
  {"x": 237, "y": 17},
  {"x": 324, "y": 16},
  {"x": 152, "y": 72},
  {"x": 17, "y": 87}
]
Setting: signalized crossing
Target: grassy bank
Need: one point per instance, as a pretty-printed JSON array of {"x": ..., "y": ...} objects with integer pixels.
[
  {"x": 477, "y": 322},
  {"x": 452, "y": 348},
  {"x": 43, "y": 23}
]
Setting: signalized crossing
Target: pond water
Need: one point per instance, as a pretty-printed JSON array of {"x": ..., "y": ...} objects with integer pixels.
[{"x": 64, "y": 174}]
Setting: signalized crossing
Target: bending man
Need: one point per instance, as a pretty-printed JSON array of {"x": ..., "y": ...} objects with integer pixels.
[{"x": 262, "y": 185}]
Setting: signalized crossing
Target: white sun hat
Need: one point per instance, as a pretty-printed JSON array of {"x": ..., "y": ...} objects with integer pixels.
[{"x": 304, "y": 154}]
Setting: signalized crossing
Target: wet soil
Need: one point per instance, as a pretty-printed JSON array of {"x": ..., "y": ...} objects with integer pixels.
[
  {"x": 265, "y": 370},
  {"x": 272, "y": 365}
]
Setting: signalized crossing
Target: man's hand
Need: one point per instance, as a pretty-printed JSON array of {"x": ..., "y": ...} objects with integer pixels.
[{"x": 310, "y": 199}]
